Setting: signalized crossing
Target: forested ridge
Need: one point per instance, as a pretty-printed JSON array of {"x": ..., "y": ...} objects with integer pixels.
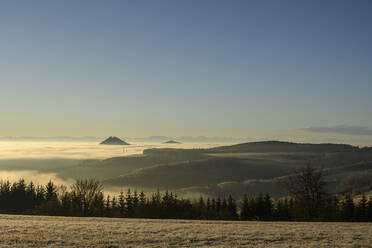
[{"x": 86, "y": 198}]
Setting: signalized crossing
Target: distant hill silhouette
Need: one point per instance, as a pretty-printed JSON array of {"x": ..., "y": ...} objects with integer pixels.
[
  {"x": 279, "y": 146},
  {"x": 172, "y": 142},
  {"x": 113, "y": 141}
]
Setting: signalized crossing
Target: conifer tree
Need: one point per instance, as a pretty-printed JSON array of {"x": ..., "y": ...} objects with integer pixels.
[
  {"x": 40, "y": 194},
  {"x": 5, "y": 195},
  {"x": 66, "y": 204},
  {"x": 232, "y": 208},
  {"x": 114, "y": 203},
  {"x": 361, "y": 209},
  {"x": 122, "y": 204},
  {"x": 142, "y": 205},
  {"x": 369, "y": 209},
  {"x": 129, "y": 204},
  {"x": 348, "y": 208},
  {"x": 201, "y": 208},
  {"x": 268, "y": 208},
  {"x": 218, "y": 207},
  {"x": 51, "y": 191},
  {"x": 245, "y": 209},
  {"x": 135, "y": 199}
]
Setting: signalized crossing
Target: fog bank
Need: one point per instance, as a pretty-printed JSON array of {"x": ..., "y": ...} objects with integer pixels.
[{"x": 80, "y": 150}]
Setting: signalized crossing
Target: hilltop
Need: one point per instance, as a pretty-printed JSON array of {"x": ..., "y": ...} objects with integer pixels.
[
  {"x": 113, "y": 141},
  {"x": 172, "y": 142},
  {"x": 280, "y": 146}
]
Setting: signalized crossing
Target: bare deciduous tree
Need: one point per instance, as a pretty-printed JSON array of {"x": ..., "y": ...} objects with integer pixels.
[
  {"x": 85, "y": 194},
  {"x": 307, "y": 188}
]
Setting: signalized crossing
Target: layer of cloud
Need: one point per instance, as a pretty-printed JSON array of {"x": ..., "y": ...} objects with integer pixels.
[
  {"x": 34, "y": 176},
  {"x": 345, "y": 130},
  {"x": 80, "y": 150}
]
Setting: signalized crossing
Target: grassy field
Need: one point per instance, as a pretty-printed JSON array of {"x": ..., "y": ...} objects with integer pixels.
[{"x": 40, "y": 231}]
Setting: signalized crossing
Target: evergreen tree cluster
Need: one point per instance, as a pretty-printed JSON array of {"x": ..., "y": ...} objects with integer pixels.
[{"x": 86, "y": 198}]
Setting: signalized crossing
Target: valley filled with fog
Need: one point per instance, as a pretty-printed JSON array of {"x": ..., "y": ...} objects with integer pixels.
[
  {"x": 41, "y": 161},
  {"x": 188, "y": 169},
  {"x": 76, "y": 150}
]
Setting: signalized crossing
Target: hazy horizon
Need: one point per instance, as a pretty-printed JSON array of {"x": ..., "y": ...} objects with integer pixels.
[{"x": 158, "y": 139}]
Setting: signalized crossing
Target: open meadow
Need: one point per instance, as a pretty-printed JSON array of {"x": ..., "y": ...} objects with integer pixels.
[{"x": 43, "y": 231}]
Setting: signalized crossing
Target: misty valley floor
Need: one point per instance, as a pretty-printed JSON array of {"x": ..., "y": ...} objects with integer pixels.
[{"x": 40, "y": 231}]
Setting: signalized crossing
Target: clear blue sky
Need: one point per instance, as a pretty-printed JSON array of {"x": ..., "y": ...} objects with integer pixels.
[{"x": 263, "y": 69}]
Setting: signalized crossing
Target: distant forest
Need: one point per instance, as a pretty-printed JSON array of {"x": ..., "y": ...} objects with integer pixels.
[{"x": 307, "y": 202}]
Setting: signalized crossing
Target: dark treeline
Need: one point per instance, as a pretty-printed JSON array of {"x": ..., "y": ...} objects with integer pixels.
[{"x": 85, "y": 198}]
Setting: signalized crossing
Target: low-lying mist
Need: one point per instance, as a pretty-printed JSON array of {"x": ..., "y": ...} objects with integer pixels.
[
  {"x": 42, "y": 161},
  {"x": 80, "y": 150},
  {"x": 36, "y": 177},
  {"x": 42, "y": 178}
]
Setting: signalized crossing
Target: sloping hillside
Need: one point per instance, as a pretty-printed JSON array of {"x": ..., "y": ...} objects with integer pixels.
[
  {"x": 204, "y": 172},
  {"x": 243, "y": 168},
  {"x": 278, "y": 146},
  {"x": 112, "y": 167}
]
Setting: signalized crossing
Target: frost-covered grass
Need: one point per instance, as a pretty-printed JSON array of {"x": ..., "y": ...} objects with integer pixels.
[{"x": 40, "y": 231}]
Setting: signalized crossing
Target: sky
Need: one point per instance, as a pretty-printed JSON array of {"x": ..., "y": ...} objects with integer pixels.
[{"x": 288, "y": 70}]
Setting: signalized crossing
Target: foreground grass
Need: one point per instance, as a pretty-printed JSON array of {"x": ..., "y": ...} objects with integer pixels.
[{"x": 42, "y": 231}]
